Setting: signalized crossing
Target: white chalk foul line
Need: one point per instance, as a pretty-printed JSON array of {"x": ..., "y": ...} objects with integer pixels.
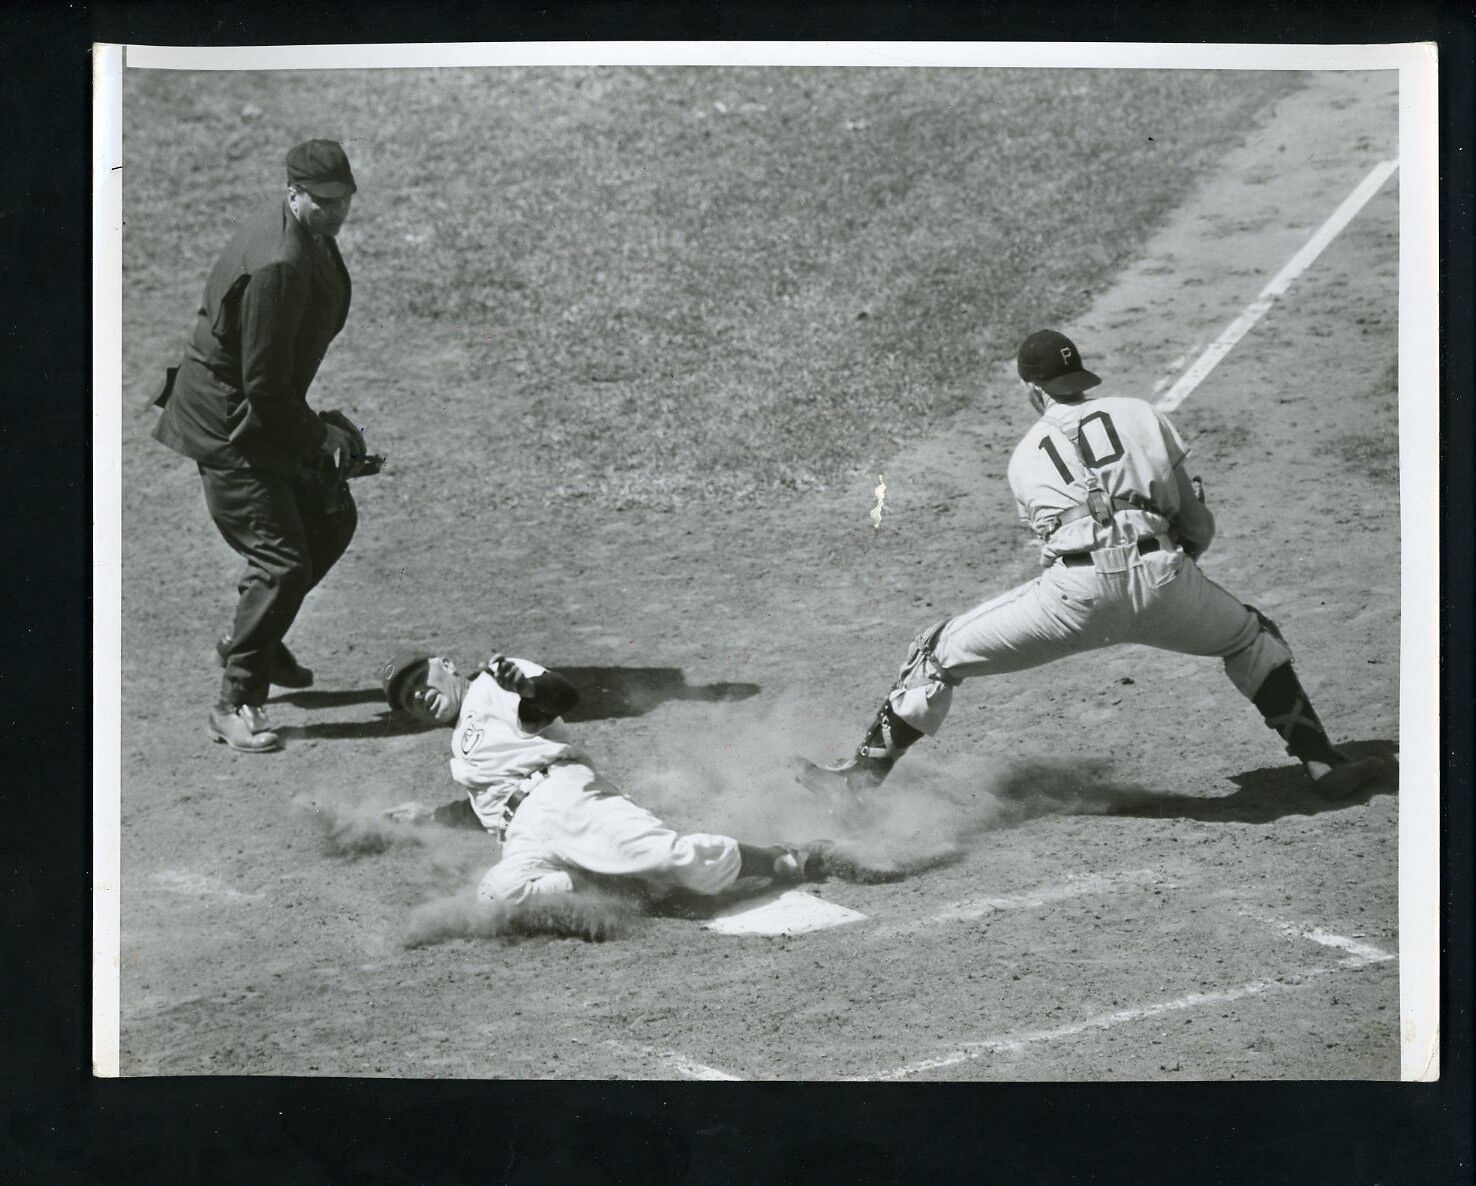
[
  {"x": 1086, "y": 886},
  {"x": 1360, "y": 955},
  {"x": 1298, "y": 264},
  {"x": 968, "y": 1051}
]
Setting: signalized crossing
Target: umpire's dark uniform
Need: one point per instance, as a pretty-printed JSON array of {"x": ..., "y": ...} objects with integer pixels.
[{"x": 238, "y": 407}]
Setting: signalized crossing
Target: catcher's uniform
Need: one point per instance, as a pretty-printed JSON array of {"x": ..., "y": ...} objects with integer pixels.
[
  {"x": 555, "y": 816},
  {"x": 1101, "y": 484}
]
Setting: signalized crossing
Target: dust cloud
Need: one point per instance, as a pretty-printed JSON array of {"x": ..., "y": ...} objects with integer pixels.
[
  {"x": 929, "y": 813},
  {"x": 356, "y": 830},
  {"x": 586, "y": 914},
  {"x": 741, "y": 782}
]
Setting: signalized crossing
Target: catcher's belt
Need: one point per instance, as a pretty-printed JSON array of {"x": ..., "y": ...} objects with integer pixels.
[{"x": 1146, "y": 545}]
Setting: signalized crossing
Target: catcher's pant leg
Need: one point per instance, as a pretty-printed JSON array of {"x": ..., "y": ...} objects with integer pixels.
[
  {"x": 585, "y": 824},
  {"x": 1064, "y": 611},
  {"x": 257, "y": 513},
  {"x": 1178, "y": 608}
]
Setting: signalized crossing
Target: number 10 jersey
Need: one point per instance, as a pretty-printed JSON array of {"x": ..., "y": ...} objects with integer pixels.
[{"x": 1125, "y": 445}]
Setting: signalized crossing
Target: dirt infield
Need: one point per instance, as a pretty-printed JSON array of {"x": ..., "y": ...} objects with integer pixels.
[{"x": 1121, "y": 876}]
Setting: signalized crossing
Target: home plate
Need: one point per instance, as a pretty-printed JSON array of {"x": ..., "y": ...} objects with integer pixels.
[{"x": 791, "y": 913}]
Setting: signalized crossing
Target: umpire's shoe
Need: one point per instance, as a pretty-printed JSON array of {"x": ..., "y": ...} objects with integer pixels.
[
  {"x": 243, "y": 728},
  {"x": 285, "y": 671},
  {"x": 1348, "y": 777}
]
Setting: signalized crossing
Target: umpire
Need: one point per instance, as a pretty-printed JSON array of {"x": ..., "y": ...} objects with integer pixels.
[{"x": 273, "y": 470}]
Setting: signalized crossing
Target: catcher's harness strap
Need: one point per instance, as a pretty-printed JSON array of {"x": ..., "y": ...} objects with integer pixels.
[
  {"x": 1098, "y": 504},
  {"x": 1102, "y": 507}
]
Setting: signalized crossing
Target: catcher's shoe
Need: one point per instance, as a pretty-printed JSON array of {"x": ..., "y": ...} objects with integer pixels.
[
  {"x": 1350, "y": 775},
  {"x": 284, "y": 671},
  {"x": 851, "y": 778},
  {"x": 244, "y": 728},
  {"x": 414, "y": 813},
  {"x": 819, "y": 859}
]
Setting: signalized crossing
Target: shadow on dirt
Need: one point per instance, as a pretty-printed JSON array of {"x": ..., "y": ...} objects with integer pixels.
[
  {"x": 1264, "y": 795},
  {"x": 606, "y": 692},
  {"x": 748, "y": 891},
  {"x": 386, "y": 724},
  {"x": 342, "y": 698}
]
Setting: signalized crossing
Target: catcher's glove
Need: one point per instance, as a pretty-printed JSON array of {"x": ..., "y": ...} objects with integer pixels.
[{"x": 1192, "y": 550}]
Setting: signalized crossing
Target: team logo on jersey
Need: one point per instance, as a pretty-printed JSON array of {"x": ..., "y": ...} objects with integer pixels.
[{"x": 469, "y": 739}]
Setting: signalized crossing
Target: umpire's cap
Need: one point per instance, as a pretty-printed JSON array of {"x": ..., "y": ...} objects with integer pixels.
[
  {"x": 399, "y": 671},
  {"x": 1052, "y": 362},
  {"x": 321, "y": 167}
]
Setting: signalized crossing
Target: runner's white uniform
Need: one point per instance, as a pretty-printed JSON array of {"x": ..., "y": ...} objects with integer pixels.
[
  {"x": 566, "y": 818},
  {"x": 1108, "y": 590}
]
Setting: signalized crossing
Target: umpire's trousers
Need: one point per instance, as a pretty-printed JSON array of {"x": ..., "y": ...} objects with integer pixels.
[{"x": 290, "y": 533}]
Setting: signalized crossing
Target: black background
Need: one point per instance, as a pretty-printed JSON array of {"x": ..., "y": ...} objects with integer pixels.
[{"x": 57, "y": 1124}]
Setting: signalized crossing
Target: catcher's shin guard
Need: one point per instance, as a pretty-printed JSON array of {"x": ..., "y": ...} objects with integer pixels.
[
  {"x": 1284, "y": 705},
  {"x": 886, "y": 740},
  {"x": 888, "y": 735}
]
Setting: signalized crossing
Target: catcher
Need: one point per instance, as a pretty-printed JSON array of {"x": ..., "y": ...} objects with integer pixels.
[
  {"x": 1120, "y": 522},
  {"x": 557, "y": 819}
]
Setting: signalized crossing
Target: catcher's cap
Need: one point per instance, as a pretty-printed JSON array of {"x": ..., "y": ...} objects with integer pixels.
[
  {"x": 399, "y": 671},
  {"x": 321, "y": 167},
  {"x": 1052, "y": 362}
]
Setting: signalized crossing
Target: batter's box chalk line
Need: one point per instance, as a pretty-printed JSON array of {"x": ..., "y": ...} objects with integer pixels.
[
  {"x": 1080, "y": 885},
  {"x": 675, "y": 1062},
  {"x": 1359, "y": 952}
]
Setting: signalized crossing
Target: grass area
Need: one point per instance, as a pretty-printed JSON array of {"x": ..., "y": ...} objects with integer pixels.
[{"x": 647, "y": 285}]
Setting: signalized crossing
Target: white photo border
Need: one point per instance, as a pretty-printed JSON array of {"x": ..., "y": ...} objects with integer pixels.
[{"x": 1419, "y": 384}]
